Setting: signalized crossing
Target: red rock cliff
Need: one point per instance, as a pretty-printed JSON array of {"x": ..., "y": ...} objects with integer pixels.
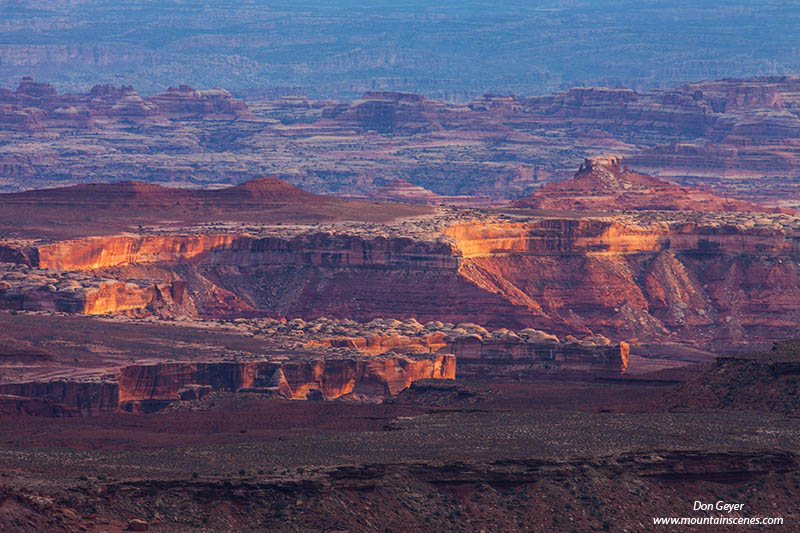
[{"x": 295, "y": 379}]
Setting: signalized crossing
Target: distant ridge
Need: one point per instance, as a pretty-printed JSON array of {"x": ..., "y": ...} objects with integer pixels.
[
  {"x": 267, "y": 189},
  {"x": 264, "y": 190}
]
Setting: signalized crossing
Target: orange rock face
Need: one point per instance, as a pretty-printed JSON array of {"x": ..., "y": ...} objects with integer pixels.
[
  {"x": 696, "y": 282},
  {"x": 379, "y": 344},
  {"x": 645, "y": 277},
  {"x": 379, "y": 376},
  {"x": 587, "y": 356},
  {"x": 324, "y": 249},
  {"x": 159, "y": 384}
]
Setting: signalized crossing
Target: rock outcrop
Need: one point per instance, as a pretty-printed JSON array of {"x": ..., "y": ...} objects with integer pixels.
[
  {"x": 44, "y": 290},
  {"x": 386, "y": 112},
  {"x": 183, "y": 101},
  {"x": 712, "y": 277},
  {"x": 148, "y": 387},
  {"x": 67, "y": 396},
  {"x": 710, "y": 282},
  {"x": 11, "y": 405},
  {"x": 513, "y": 355},
  {"x": 333, "y": 377},
  {"x": 603, "y": 184},
  {"x": 499, "y": 354},
  {"x": 493, "y": 148}
]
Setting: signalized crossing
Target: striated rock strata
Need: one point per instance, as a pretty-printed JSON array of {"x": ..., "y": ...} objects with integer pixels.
[
  {"x": 501, "y": 353},
  {"x": 377, "y": 376},
  {"x": 685, "y": 280},
  {"x": 151, "y": 386},
  {"x": 715, "y": 277}
]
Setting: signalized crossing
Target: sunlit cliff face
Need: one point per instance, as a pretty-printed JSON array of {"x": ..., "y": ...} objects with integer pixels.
[
  {"x": 639, "y": 282},
  {"x": 638, "y": 277},
  {"x": 378, "y": 376}
]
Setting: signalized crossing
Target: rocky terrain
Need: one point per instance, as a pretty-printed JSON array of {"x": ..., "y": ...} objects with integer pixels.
[
  {"x": 462, "y": 363},
  {"x": 732, "y": 138},
  {"x": 602, "y": 184},
  {"x": 699, "y": 277},
  {"x": 186, "y": 361},
  {"x": 523, "y": 451},
  {"x": 329, "y": 267}
]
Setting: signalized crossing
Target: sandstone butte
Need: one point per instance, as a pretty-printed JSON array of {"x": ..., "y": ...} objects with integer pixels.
[{"x": 603, "y": 184}]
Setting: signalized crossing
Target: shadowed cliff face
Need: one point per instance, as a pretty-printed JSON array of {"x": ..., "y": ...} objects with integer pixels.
[{"x": 760, "y": 382}]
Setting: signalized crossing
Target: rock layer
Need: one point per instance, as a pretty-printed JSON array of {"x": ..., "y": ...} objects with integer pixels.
[
  {"x": 378, "y": 376},
  {"x": 148, "y": 386}
]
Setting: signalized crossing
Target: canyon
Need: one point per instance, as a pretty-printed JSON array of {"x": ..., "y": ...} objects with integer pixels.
[
  {"x": 358, "y": 267},
  {"x": 463, "y": 330},
  {"x": 733, "y": 137},
  {"x": 719, "y": 275}
]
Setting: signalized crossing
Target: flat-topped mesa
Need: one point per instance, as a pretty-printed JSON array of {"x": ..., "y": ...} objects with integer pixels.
[
  {"x": 501, "y": 353},
  {"x": 611, "y": 162},
  {"x": 532, "y": 351},
  {"x": 37, "y": 107},
  {"x": 602, "y": 183},
  {"x": 319, "y": 248},
  {"x": 590, "y": 236},
  {"x": 189, "y": 257}
]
